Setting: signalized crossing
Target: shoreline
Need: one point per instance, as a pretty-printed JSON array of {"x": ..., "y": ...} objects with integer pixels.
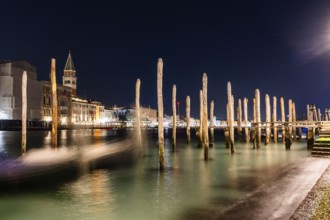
[
  {"x": 280, "y": 198},
  {"x": 316, "y": 204}
]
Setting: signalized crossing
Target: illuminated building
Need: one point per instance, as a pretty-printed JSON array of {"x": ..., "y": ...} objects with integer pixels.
[
  {"x": 72, "y": 110},
  {"x": 11, "y": 91}
]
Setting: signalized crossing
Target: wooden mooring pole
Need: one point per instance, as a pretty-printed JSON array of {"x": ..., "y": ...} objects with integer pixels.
[
  {"x": 226, "y": 129},
  {"x": 283, "y": 118},
  {"x": 231, "y": 118},
  {"x": 200, "y": 118},
  {"x": 294, "y": 121},
  {"x": 275, "y": 133},
  {"x": 258, "y": 120},
  {"x": 327, "y": 114},
  {"x": 239, "y": 120},
  {"x": 319, "y": 115},
  {"x": 174, "y": 117},
  {"x": 299, "y": 128},
  {"x": 160, "y": 114},
  {"x": 268, "y": 134},
  {"x": 188, "y": 118},
  {"x": 246, "y": 128},
  {"x": 205, "y": 117},
  {"x": 288, "y": 128},
  {"x": 138, "y": 115},
  {"x": 54, "y": 103},
  {"x": 254, "y": 126},
  {"x": 212, "y": 123},
  {"x": 24, "y": 108},
  {"x": 290, "y": 115},
  {"x": 311, "y": 130}
]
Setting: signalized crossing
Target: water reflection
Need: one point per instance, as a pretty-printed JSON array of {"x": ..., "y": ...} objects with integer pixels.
[
  {"x": 48, "y": 139},
  {"x": 90, "y": 196},
  {"x": 2, "y": 148},
  {"x": 190, "y": 188}
]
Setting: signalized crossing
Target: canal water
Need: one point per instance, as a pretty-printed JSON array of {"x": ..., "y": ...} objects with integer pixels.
[{"x": 190, "y": 188}]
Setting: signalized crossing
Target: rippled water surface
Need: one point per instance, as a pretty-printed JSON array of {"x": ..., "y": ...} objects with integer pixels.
[{"x": 190, "y": 188}]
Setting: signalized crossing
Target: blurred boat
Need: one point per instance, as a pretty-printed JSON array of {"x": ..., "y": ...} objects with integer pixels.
[{"x": 50, "y": 166}]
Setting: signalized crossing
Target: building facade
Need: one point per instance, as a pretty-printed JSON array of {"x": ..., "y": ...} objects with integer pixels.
[
  {"x": 11, "y": 91},
  {"x": 72, "y": 110},
  {"x": 64, "y": 103}
]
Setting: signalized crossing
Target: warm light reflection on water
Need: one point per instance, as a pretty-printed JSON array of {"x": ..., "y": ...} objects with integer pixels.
[
  {"x": 189, "y": 188},
  {"x": 88, "y": 197}
]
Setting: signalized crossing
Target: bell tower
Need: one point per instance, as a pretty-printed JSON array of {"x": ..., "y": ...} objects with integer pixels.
[{"x": 69, "y": 77}]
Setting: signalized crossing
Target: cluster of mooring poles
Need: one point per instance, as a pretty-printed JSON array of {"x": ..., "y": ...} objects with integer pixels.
[
  {"x": 271, "y": 126},
  {"x": 54, "y": 107},
  {"x": 252, "y": 132}
]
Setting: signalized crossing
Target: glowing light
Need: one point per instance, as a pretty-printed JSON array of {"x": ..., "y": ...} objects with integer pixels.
[
  {"x": 4, "y": 115},
  {"x": 48, "y": 119},
  {"x": 64, "y": 120}
]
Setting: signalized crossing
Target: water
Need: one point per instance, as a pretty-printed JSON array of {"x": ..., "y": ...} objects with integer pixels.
[{"x": 190, "y": 188}]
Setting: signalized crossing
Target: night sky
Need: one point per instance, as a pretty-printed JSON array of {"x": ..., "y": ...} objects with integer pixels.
[{"x": 280, "y": 47}]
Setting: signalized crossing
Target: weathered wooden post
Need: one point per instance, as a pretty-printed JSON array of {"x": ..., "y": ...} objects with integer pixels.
[
  {"x": 231, "y": 118},
  {"x": 324, "y": 116},
  {"x": 275, "y": 118},
  {"x": 294, "y": 120},
  {"x": 290, "y": 115},
  {"x": 188, "y": 118},
  {"x": 246, "y": 128},
  {"x": 254, "y": 110},
  {"x": 258, "y": 120},
  {"x": 239, "y": 120},
  {"x": 299, "y": 128},
  {"x": 160, "y": 114},
  {"x": 315, "y": 117},
  {"x": 283, "y": 118},
  {"x": 319, "y": 118},
  {"x": 268, "y": 134},
  {"x": 327, "y": 114},
  {"x": 54, "y": 103},
  {"x": 299, "y": 133},
  {"x": 138, "y": 114},
  {"x": 310, "y": 131},
  {"x": 200, "y": 133},
  {"x": 174, "y": 117},
  {"x": 205, "y": 117},
  {"x": 226, "y": 129},
  {"x": 308, "y": 114},
  {"x": 24, "y": 108},
  {"x": 288, "y": 128},
  {"x": 288, "y": 136},
  {"x": 212, "y": 123},
  {"x": 254, "y": 127}
]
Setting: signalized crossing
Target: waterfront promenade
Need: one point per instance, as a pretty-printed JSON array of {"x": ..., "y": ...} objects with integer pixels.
[{"x": 280, "y": 197}]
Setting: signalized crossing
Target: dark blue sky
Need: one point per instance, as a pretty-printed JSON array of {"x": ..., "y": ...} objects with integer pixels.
[{"x": 280, "y": 47}]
